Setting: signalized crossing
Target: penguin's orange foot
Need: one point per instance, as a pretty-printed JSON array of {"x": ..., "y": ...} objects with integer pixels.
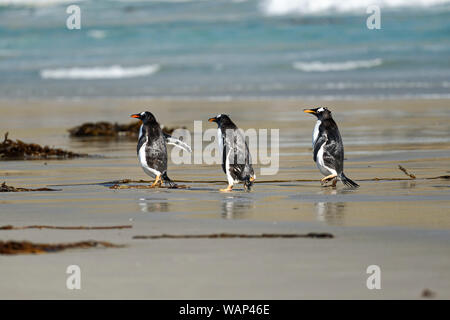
[
  {"x": 157, "y": 182},
  {"x": 227, "y": 189},
  {"x": 327, "y": 178},
  {"x": 334, "y": 183}
]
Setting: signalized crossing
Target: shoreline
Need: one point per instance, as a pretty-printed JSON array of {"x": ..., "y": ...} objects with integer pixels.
[{"x": 226, "y": 99}]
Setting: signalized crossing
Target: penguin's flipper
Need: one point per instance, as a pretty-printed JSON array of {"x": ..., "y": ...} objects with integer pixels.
[
  {"x": 177, "y": 143},
  {"x": 317, "y": 145}
]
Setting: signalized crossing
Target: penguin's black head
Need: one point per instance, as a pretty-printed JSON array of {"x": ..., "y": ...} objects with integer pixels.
[
  {"x": 321, "y": 113},
  {"x": 145, "y": 117},
  {"x": 221, "y": 119}
]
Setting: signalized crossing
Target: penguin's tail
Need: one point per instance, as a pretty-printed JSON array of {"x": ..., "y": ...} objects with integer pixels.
[
  {"x": 167, "y": 180},
  {"x": 348, "y": 182},
  {"x": 248, "y": 183}
]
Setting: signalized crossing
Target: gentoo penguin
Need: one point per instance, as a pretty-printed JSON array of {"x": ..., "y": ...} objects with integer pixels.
[
  {"x": 328, "y": 148},
  {"x": 236, "y": 159},
  {"x": 152, "y": 149}
]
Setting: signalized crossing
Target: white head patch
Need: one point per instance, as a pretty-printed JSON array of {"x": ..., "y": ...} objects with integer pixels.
[{"x": 321, "y": 110}]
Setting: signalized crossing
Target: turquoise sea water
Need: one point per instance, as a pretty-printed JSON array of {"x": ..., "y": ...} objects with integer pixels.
[{"x": 224, "y": 49}]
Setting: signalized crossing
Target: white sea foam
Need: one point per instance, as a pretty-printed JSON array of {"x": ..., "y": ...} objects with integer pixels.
[
  {"x": 378, "y": 85},
  {"x": 112, "y": 72},
  {"x": 318, "y": 66},
  {"x": 306, "y": 7},
  {"x": 169, "y": 1},
  {"x": 96, "y": 34}
]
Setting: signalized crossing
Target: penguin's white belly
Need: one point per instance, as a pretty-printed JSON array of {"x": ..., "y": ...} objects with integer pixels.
[
  {"x": 316, "y": 132},
  {"x": 143, "y": 161},
  {"x": 230, "y": 179},
  {"x": 326, "y": 171},
  {"x": 227, "y": 169}
]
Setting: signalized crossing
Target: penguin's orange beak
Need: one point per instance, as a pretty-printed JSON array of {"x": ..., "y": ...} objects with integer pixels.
[
  {"x": 212, "y": 119},
  {"x": 309, "y": 111},
  {"x": 137, "y": 116}
]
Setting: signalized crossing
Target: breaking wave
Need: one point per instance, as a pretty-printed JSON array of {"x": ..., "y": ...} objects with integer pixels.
[
  {"x": 112, "y": 72},
  {"x": 305, "y": 7},
  {"x": 318, "y": 66}
]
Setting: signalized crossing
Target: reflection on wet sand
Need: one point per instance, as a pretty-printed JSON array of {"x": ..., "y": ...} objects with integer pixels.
[
  {"x": 154, "y": 205},
  {"x": 330, "y": 212},
  {"x": 408, "y": 185},
  {"x": 235, "y": 207}
]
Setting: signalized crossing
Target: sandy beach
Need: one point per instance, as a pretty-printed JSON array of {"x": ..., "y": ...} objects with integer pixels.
[{"x": 400, "y": 224}]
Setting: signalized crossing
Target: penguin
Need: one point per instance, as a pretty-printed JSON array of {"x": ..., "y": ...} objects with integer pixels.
[
  {"x": 236, "y": 159},
  {"x": 152, "y": 148},
  {"x": 328, "y": 148}
]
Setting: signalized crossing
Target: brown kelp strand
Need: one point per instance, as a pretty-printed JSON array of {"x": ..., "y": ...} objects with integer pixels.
[
  {"x": 5, "y": 188},
  {"x": 19, "y": 150},
  {"x": 10, "y": 227},
  {"x": 122, "y": 186},
  {"x": 26, "y": 247},
  {"x": 116, "y": 184},
  {"x": 237, "y": 235},
  {"x": 406, "y": 172}
]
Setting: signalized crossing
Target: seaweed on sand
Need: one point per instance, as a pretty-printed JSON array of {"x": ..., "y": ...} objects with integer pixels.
[
  {"x": 412, "y": 176},
  {"x": 109, "y": 129},
  {"x": 104, "y": 129},
  {"x": 5, "y": 188},
  {"x": 10, "y": 227},
  {"x": 19, "y": 150},
  {"x": 26, "y": 247},
  {"x": 427, "y": 293},
  {"x": 121, "y": 186},
  {"x": 238, "y": 235}
]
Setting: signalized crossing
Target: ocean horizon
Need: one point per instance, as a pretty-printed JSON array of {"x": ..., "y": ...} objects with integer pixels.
[{"x": 225, "y": 49}]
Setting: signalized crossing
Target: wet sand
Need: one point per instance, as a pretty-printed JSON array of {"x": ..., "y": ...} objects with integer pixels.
[{"x": 401, "y": 225}]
